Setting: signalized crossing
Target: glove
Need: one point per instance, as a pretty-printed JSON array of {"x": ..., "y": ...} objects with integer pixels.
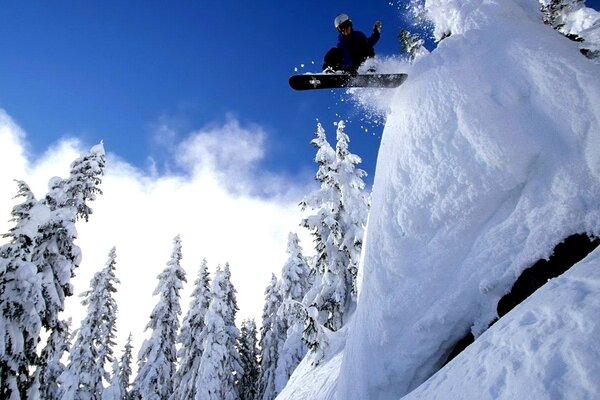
[{"x": 377, "y": 27}]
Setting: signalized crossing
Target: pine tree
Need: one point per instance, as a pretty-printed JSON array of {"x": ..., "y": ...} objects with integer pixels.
[
  {"x": 36, "y": 268},
  {"x": 120, "y": 382},
  {"x": 81, "y": 186},
  {"x": 50, "y": 367},
  {"x": 55, "y": 253},
  {"x": 21, "y": 301},
  {"x": 269, "y": 341},
  {"x": 125, "y": 372},
  {"x": 328, "y": 294},
  {"x": 322, "y": 223},
  {"x": 556, "y": 13},
  {"x": 411, "y": 44},
  {"x": 354, "y": 206},
  {"x": 314, "y": 334},
  {"x": 341, "y": 204},
  {"x": 293, "y": 286},
  {"x": 248, "y": 385},
  {"x": 295, "y": 272},
  {"x": 191, "y": 337},
  {"x": 92, "y": 350},
  {"x": 158, "y": 356},
  {"x": 113, "y": 390},
  {"x": 235, "y": 363},
  {"x": 218, "y": 367}
]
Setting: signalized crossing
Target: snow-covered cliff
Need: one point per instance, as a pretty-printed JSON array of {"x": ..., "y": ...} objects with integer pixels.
[{"x": 490, "y": 157}]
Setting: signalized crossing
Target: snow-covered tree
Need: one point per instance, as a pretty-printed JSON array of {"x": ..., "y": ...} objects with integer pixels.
[
  {"x": 321, "y": 224},
  {"x": 113, "y": 390},
  {"x": 21, "y": 301},
  {"x": 125, "y": 371},
  {"x": 353, "y": 207},
  {"x": 314, "y": 335},
  {"x": 220, "y": 362},
  {"x": 191, "y": 337},
  {"x": 120, "y": 381},
  {"x": 81, "y": 186},
  {"x": 293, "y": 286},
  {"x": 337, "y": 228},
  {"x": 36, "y": 267},
  {"x": 554, "y": 12},
  {"x": 563, "y": 16},
  {"x": 295, "y": 272},
  {"x": 50, "y": 367},
  {"x": 248, "y": 385},
  {"x": 412, "y": 44},
  {"x": 271, "y": 336},
  {"x": 158, "y": 356},
  {"x": 341, "y": 204},
  {"x": 233, "y": 332},
  {"x": 55, "y": 253},
  {"x": 92, "y": 350}
]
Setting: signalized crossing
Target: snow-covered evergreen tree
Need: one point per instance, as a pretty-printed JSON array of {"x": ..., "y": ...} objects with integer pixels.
[
  {"x": 36, "y": 268},
  {"x": 560, "y": 15},
  {"x": 218, "y": 367},
  {"x": 314, "y": 333},
  {"x": 21, "y": 301},
  {"x": 191, "y": 337},
  {"x": 92, "y": 350},
  {"x": 338, "y": 225},
  {"x": 50, "y": 367},
  {"x": 293, "y": 286},
  {"x": 248, "y": 385},
  {"x": 235, "y": 363},
  {"x": 56, "y": 254},
  {"x": 341, "y": 205},
  {"x": 271, "y": 336},
  {"x": 81, "y": 186},
  {"x": 353, "y": 207},
  {"x": 322, "y": 224},
  {"x": 158, "y": 356},
  {"x": 412, "y": 44},
  {"x": 120, "y": 381},
  {"x": 295, "y": 272},
  {"x": 554, "y": 11},
  {"x": 113, "y": 390}
]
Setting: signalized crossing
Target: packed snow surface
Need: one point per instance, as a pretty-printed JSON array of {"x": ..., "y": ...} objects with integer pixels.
[{"x": 489, "y": 158}]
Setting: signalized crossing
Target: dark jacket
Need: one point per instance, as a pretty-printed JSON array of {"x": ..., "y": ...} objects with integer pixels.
[{"x": 356, "y": 48}]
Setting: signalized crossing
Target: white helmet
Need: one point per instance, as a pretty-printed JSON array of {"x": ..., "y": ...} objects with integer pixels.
[{"x": 340, "y": 19}]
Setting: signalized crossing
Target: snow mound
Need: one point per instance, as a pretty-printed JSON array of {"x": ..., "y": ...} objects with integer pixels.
[
  {"x": 488, "y": 160},
  {"x": 525, "y": 358},
  {"x": 310, "y": 381}
]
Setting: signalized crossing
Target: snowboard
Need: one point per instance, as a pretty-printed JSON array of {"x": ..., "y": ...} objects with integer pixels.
[{"x": 343, "y": 80}]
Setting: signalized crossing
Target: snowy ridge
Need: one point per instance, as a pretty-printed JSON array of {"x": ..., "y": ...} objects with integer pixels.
[{"x": 489, "y": 159}]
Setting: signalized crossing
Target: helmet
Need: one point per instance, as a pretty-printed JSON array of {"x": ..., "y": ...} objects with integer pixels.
[{"x": 340, "y": 19}]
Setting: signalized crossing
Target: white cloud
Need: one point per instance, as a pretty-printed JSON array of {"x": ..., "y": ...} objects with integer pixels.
[
  {"x": 228, "y": 148},
  {"x": 141, "y": 213}
]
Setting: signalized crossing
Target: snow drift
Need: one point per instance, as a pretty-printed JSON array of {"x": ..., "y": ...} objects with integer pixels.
[{"x": 489, "y": 158}]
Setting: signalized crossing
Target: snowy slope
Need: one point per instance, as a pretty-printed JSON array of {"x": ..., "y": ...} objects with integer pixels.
[
  {"x": 490, "y": 157},
  {"x": 518, "y": 356}
]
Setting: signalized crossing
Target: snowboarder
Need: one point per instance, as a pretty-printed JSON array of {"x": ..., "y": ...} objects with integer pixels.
[{"x": 353, "y": 47}]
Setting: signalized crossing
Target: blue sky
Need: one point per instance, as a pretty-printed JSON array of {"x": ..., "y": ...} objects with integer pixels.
[{"x": 118, "y": 71}]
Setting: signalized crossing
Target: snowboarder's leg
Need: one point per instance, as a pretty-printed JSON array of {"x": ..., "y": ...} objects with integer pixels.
[{"x": 333, "y": 59}]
